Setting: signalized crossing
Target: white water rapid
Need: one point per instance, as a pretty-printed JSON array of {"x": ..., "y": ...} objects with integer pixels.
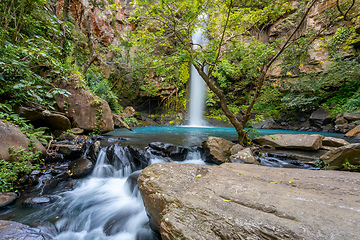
[
  {"x": 105, "y": 206},
  {"x": 197, "y": 86}
]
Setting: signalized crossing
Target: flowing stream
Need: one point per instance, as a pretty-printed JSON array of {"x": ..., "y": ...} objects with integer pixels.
[{"x": 106, "y": 205}]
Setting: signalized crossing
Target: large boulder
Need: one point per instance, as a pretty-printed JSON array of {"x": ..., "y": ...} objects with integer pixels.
[
  {"x": 17, "y": 231},
  {"x": 245, "y": 201},
  {"x": 86, "y": 110},
  {"x": 292, "y": 141},
  {"x": 334, "y": 142},
  {"x": 343, "y": 157},
  {"x": 11, "y": 136},
  {"x": 56, "y": 121},
  {"x": 219, "y": 149},
  {"x": 320, "y": 117},
  {"x": 352, "y": 116},
  {"x": 354, "y": 132},
  {"x": 7, "y": 198}
]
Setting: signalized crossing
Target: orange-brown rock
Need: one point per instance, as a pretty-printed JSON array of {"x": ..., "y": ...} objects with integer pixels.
[{"x": 86, "y": 110}]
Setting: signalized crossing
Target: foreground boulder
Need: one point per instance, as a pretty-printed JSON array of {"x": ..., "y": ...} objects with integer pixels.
[
  {"x": 244, "y": 201},
  {"x": 11, "y": 136},
  {"x": 346, "y": 158},
  {"x": 85, "y": 109},
  {"x": 292, "y": 141},
  {"x": 17, "y": 231}
]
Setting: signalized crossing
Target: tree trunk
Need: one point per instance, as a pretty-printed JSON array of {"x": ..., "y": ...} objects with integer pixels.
[
  {"x": 242, "y": 136},
  {"x": 89, "y": 32}
]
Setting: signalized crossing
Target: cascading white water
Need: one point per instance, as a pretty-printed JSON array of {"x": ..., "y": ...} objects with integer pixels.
[
  {"x": 197, "y": 86},
  {"x": 104, "y": 206}
]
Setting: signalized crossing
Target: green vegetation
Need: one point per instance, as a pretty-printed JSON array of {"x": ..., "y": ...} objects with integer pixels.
[{"x": 11, "y": 172}]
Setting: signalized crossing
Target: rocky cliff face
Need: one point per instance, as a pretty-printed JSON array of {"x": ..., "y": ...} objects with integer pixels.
[{"x": 107, "y": 19}]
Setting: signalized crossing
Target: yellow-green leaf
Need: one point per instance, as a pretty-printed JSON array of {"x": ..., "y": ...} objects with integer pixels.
[
  {"x": 291, "y": 181},
  {"x": 198, "y": 175},
  {"x": 275, "y": 182},
  {"x": 226, "y": 200}
]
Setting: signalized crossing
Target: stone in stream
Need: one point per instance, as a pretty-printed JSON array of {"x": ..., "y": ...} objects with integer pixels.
[
  {"x": 36, "y": 200},
  {"x": 244, "y": 156},
  {"x": 17, "y": 231},
  {"x": 81, "y": 167},
  {"x": 219, "y": 149},
  {"x": 292, "y": 141},
  {"x": 246, "y": 201},
  {"x": 176, "y": 153},
  {"x": 70, "y": 151}
]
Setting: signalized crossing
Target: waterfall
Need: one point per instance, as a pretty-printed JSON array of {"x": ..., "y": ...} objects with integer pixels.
[{"x": 197, "y": 86}]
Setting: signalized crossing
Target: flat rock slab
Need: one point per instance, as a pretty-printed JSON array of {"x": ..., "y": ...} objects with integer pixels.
[
  {"x": 292, "y": 141},
  {"x": 17, "y": 231},
  {"x": 241, "y": 201}
]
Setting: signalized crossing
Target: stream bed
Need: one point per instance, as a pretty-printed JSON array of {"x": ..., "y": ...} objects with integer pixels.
[{"x": 107, "y": 204}]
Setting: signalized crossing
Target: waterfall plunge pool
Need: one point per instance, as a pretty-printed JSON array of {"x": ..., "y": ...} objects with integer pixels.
[{"x": 190, "y": 136}]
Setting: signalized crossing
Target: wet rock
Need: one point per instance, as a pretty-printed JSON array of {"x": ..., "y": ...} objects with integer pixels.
[
  {"x": 67, "y": 136},
  {"x": 119, "y": 156},
  {"x": 11, "y": 135},
  {"x": 70, "y": 151},
  {"x": 334, "y": 142},
  {"x": 246, "y": 201},
  {"x": 175, "y": 152},
  {"x": 17, "y": 231},
  {"x": 36, "y": 201},
  {"x": 7, "y": 198},
  {"x": 80, "y": 168},
  {"x": 131, "y": 181},
  {"x": 48, "y": 185},
  {"x": 56, "y": 121},
  {"x": 116, "y": 223},
  {"x": 244, "y": 156},
  {"x": 292, "y": 141},
  {"x": 219, "y": 149},
  {"x": 343, "y": 157},
  {"x": 139, "y": 158},
  {"x": 63, "y": 176},
  {"x": 55, "y": 157}
]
